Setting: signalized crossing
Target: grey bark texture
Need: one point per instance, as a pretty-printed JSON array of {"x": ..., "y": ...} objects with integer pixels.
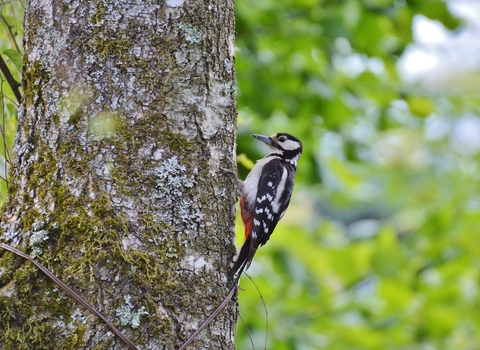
[{"x": 123, "y": 183}]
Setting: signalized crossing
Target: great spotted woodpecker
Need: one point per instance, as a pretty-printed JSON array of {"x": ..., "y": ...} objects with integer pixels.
[{"x": 265, "y": 195}]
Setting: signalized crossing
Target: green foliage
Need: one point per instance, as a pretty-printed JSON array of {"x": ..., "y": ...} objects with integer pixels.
[
  {"x": 11, "y": 50},
  {"x": 378, "y": 249}
]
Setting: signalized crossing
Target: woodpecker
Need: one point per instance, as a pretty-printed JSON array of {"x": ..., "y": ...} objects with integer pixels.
[{"x": 265, "y": 195}]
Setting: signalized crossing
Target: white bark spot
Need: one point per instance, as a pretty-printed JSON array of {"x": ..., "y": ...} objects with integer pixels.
[
  {"x": 214, "y": 161},
  {"x": 175, "y": 3},
  {"x": 199, "y": 263},
  {"x": 47, "y": 7},
  {"x": 158, "y": 154},
  {"x": 161, "y": 312},
  {"x": 190, "y": 262},
  {"x": 131, "y": 241},
  {"x": 211, "y": 124}
]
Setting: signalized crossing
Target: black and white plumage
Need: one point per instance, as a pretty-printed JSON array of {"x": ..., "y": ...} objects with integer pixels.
[{"x": 265, "y": 194}]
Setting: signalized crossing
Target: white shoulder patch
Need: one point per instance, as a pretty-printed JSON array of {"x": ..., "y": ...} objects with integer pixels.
[{"x": 280, "y": 189}]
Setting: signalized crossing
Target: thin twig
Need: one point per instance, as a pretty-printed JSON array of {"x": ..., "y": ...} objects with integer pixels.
[
  {"x": 9, "y": 28},
  {"x": 4, "y": 179},
  {"x": 11, "y": 100},
  {"x": 70, "y": 292},
  {"x": 4, "y": 136},
  {"x": 2, "y": 131},
  {"x": 7, "y": 156},
  {"x": 264, "y": 307},
  {"x": 248, "y": 331},
  {"x": 15, "y": 85}
]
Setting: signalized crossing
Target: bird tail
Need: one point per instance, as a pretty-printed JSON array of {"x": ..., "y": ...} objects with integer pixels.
[{"x": 241, "y": 262}]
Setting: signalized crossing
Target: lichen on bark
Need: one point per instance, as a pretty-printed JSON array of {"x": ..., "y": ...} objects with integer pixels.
[{"x": 122, "y": 183}]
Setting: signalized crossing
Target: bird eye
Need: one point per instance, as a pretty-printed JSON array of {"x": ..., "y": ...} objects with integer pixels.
[{"x": 282, "y": 138}]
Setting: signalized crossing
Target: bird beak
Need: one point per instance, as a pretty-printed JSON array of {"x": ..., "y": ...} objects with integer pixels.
[{"x": 265, "y": 139}]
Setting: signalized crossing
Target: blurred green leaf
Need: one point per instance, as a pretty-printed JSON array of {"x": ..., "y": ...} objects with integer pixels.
[
  {"x": 420, "y": 106},
  {"x": 15, "y": 57},
  {"x": 387, "y": 257},
  {"x": 245, "y": 161}
]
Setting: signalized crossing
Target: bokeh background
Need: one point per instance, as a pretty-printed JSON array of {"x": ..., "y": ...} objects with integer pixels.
[{"x": 380, "y": 246}]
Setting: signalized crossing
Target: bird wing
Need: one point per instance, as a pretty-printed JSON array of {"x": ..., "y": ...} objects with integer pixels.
[{"x": 273, "y": 195}]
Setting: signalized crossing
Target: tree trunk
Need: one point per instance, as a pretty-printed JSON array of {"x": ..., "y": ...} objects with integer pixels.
[{"x": 123, "y": 183}]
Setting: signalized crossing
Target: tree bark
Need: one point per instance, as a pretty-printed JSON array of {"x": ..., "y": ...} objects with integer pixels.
[{"x": 123, "y": 183}]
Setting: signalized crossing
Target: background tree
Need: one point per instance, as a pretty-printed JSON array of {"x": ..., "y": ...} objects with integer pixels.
[
  {"x": 122, "y": 179},
  {"x": 379, "y": 248}
]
